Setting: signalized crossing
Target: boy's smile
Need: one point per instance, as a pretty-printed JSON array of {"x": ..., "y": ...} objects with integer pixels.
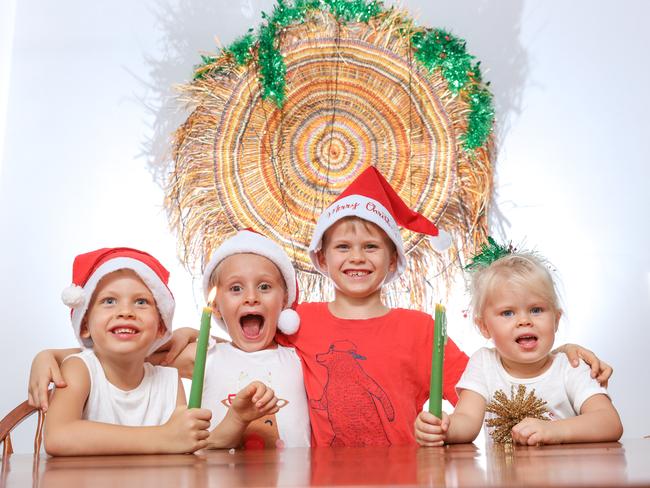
[
  {"x": 250, "y": 296},
  {"x": 122, "y": 316},
  {"x": 357, "y": 256}
]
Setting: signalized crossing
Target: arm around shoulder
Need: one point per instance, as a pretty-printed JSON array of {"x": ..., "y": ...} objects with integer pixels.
[{"x": 68, "y": 434}]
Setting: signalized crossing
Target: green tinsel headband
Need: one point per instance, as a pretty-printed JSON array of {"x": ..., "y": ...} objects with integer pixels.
[{"x": 489, "y": 253}]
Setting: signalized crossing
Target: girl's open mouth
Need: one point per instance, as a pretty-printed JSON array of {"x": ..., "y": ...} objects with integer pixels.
[
  {"x": 527, "y": 341},
  {"x": 251, "y": 325}
]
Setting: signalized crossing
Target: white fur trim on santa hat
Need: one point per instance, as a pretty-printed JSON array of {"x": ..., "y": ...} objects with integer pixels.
[
  {"x": 366, "y": 209},
  {"x": 162, "y": 295},
  {"x": 246, "y": 241}
]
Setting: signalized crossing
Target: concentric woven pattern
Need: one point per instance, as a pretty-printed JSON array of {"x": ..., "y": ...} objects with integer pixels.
[{"x": 355, "y": 97}]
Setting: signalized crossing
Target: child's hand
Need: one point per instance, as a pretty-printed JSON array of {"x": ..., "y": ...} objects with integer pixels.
[
  {"x": 186, "y": 430},
  {"x": 44, "y": 370},
  {"x": 254, "y": 401},
  {"x": 532, "y": 432},
  {"x": 599, "y": 369},
  {"x": 180, "y": 338},
  {"x": 430, "y": 430}
]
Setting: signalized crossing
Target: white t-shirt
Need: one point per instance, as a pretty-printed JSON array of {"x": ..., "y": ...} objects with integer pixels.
[
  {"x": 563, "y": 387},
  {"x": 150, "y": 403},
  {"x": 229, "y": 369}
]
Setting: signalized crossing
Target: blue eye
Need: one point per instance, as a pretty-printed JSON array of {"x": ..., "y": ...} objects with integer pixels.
[
  {"x": 142, "y": 301},
  {"x": 109, "y": 301},
  {"x": 507, "y": 313},
  {"x": 536, "y": 310}
]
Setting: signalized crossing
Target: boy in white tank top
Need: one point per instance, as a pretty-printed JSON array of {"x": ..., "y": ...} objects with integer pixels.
[{"x": 114, "y": 402}]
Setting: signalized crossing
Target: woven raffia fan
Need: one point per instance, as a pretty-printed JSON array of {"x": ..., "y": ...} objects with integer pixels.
[{"x": 285, "y": 118}]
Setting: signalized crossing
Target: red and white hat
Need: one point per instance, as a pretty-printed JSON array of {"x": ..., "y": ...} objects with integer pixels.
[
  {"x": 249, "y": 241},
  {"x": 370, "y": 197},
  {"x": 91, "y": 267}
]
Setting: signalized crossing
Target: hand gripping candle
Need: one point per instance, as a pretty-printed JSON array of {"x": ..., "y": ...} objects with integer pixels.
[
  {"x": 437, "y": 360},
  {"x": 196, "y": 393}
]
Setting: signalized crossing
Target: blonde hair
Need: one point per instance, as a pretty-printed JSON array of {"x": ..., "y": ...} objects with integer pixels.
[{"x": 522, "y": 269}]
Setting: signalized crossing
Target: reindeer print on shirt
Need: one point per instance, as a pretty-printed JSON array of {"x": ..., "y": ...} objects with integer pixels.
[{"x": 263, "y": 432}]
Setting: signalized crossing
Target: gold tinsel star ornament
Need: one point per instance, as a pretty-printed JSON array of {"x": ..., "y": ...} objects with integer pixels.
[{"x": 510, "y": 411}]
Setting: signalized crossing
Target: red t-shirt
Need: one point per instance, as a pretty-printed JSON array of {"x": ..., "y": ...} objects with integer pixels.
[{"x": 367, "y": 380}]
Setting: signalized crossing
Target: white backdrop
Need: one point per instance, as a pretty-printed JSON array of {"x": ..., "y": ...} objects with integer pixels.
[{"x": 81, "y": 90}]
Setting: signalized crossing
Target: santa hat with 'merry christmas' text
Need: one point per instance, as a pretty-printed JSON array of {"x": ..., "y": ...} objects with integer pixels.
[
  {"x": 250, "y": 242},
  {"x": 370, "y": 197},
  {"x": 89, "y": 268}
]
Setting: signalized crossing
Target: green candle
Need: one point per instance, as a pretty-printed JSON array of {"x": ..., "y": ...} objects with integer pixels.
[
  {"x": 437, "y": 360},
  {"x": 196, "y": 393}
]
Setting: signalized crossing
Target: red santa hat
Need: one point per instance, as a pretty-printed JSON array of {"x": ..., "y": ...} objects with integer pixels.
[
  {"x": 249, "y": 241},
  {"x": 370, "y": 197},
  {"x": 89, "y": 268}
]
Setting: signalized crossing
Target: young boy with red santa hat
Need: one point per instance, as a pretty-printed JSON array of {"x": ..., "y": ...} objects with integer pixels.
[{"x": 115, "y": 402}]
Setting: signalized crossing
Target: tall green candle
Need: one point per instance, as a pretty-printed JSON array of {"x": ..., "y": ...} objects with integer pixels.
[
  {"x": 437, "y": 360},
  {"x": 196, "y": 393}
]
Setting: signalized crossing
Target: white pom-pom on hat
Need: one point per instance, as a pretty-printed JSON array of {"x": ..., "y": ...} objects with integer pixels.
[
  {"x": 73, "y": 296},
  {"x": 442, "y": 241},
  {"x": 289, "y": 321}
]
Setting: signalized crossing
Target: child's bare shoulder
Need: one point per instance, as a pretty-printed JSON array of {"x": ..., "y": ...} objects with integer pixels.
[{"x": 75, "y": 372}]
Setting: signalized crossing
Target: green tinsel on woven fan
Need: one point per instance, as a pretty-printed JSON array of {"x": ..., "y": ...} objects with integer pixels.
[{"x": 435, "y": 49}]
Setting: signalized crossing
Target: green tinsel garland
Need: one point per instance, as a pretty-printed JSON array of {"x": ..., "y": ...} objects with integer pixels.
[{"x": 434, "y": 49}]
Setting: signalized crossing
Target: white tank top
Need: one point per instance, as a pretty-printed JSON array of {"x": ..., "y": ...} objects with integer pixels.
[{"x": 150, "y": 403}]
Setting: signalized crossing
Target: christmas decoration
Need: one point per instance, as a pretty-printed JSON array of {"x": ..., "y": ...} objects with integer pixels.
[
  {"x": 489, "y": 253},
  {"x": 286, "y": 116},
  {"x": 510, "y": 411}
]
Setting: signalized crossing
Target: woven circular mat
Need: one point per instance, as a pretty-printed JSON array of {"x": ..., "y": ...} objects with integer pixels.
[{"x": 355, "y": 96}]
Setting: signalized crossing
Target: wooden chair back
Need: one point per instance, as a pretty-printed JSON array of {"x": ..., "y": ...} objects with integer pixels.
[{"x": 15, "y": 418}]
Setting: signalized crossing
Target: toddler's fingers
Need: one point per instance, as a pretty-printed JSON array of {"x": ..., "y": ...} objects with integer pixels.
[
  {"x": 174, "y": 351},
  {"x": 433, "y": 444},
  {"x": 428, "y": 429},
  {"x": 57, "y": 378},
  {"x": 251, "y": 391},
  {"x": 30, "y": 400},
  {"x": 521, "y": 434},
  {"x": 605, "y": 374},
  {"x": 268, "y": 395},
  {"x": 428, "y": 440},
  {"x": 429, "y": 418},
  {"x": 535, "y": 439},
  {"x": 268, "y": 400},
  {"x": 204, "y": 414}
]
